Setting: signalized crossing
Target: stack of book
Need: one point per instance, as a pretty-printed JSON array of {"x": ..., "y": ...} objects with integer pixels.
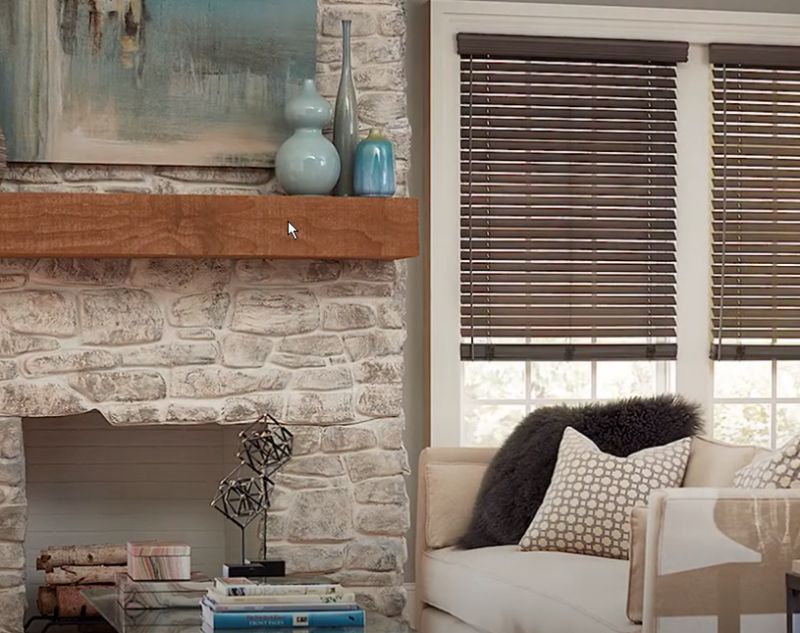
[{"x": 239, "y": 604}]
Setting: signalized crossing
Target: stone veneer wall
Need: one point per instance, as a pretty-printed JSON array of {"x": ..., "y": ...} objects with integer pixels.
[{"x": 318, "y": 344}]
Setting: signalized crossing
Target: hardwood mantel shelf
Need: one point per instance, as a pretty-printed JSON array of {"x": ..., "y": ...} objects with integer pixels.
[{"x": 205, "y": 226}]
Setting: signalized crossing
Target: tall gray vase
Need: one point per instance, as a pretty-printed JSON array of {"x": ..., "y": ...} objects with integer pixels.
[{"x": 345, "y": 120}]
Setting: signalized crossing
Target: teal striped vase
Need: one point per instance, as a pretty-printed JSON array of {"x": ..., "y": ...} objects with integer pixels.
[{"x": 374, "y": 170}]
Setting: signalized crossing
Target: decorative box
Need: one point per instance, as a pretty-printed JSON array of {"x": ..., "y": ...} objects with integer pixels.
[
  {"x": 159, "y": 560},
  {"x": 136, "y": 595}
]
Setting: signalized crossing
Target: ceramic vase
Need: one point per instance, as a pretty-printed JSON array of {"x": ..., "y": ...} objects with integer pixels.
[
  {"x": 345, "y": 120},
  {"x": 374, "y": 170},
  {"x": 307, "y": 163}
]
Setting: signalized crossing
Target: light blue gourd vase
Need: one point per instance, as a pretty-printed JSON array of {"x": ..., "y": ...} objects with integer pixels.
[
  {"x": 307, "y": 163},
  {"x": 374, "y": 171}
]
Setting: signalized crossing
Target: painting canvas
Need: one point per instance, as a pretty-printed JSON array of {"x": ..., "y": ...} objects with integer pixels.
[{"x": 160, "y": 82}]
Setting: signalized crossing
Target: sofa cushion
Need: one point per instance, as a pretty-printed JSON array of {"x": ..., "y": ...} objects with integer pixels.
[
  {"x": 777, "y": 469},
  {"x": 518, "y": 477},
  {"x": 587, "y": 507},
  {"x": 713, "y": 464},
  {"x": 505, "y": 590},
  {"x": 451, "y": 488}
]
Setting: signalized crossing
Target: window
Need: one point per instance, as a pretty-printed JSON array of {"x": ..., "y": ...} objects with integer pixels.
[
  {"x": 756, "y": 234},
  {"x": 496, "y": 395},
  {"x": 567, "y": 224},
  {"x": 511, "y": 162},
  {"x": 756, "y": 402}
]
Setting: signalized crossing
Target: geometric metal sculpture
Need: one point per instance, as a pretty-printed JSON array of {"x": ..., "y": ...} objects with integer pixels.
[{"x": 245, "y": 493}]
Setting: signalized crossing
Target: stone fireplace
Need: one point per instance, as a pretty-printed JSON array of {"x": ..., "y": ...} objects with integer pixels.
[
  {"x": 168, "y": 342},
  {"x": 318, "y": 344}
]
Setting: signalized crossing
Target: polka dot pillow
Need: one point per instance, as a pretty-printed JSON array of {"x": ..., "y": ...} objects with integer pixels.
[
  {"x": 587, "y": 507},
  {"x": 780, "y": 469}
]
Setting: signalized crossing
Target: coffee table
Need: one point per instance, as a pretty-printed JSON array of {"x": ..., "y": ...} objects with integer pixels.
[
  {"x": 792, "y": 600},
  {"x": 190, "y": 620}
]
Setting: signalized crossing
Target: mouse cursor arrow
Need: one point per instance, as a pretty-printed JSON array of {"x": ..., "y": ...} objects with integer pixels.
[{"x": 292, "y": 230}]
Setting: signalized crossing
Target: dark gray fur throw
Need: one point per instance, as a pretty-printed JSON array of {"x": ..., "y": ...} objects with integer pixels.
[{"x": 517, "y": 479}]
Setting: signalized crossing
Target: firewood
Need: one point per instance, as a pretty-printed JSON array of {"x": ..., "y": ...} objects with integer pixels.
[
  {"x": 66, "y": 598},
  {"x": 53, "y": 557},
  {"x": 46, "y": 600},
  {"x": 70, "y": 601},
  {"x": 84, "y": 575}
]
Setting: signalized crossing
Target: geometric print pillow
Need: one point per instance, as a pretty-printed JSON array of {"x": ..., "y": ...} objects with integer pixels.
[
  {"x": 587, "y": 507},
  {"x": 781, "y": 469}
]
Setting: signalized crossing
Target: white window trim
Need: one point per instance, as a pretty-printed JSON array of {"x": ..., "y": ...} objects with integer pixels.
[{"x": 700, "y": 28}]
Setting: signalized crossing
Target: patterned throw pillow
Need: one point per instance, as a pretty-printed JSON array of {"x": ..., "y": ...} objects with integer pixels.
[
  {"x": 780, "y": 469},
  {"x": 587, "y": 507}
]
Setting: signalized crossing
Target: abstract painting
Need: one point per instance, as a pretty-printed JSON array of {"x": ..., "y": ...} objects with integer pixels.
[{"x": 151, "y": 82}]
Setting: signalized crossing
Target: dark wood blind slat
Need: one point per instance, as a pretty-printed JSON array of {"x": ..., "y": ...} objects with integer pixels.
[
  {"x": 621, "y": 72},
  {"x": 736, "y": 73},
  {"x": 585, "y": 301},
  {"x": 568, "y": 268},
  {"x": 563, "y": 311},
  {"x": 563, "y": 332},
  {"x": 517, "y": 118},
  {"x": 601, "y": 94},
  {"x": 502, "y": 209},
  {"x": 514, "y": 109},
  {"x": 566, "y": 224},
  {"x": 520, "y": 166},
  {"x": 594, "y": 81},
  {"x": 563, "y": 157},
  {"x": 567, "y": 279}
]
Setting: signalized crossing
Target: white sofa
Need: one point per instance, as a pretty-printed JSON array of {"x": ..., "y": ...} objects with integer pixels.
[{"x": 715, "y": 559}]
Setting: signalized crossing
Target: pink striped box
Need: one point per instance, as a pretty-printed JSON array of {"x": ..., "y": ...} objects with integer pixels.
[{"x": 159, "y": 560}]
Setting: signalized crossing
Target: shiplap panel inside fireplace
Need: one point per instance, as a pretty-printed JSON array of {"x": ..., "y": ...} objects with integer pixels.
[{"x": 90, "y": 482}]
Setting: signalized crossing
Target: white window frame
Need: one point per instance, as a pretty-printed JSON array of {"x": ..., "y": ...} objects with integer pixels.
[{"x": 694, "y": 369}]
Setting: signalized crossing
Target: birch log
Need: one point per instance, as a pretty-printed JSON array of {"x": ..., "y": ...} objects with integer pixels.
[
  {"x": 53, "y": 557},
  {"x": 84, "y": 575}
]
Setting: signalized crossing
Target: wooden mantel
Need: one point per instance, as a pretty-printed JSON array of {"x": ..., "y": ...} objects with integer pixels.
[{"x": 204, "y": 226}]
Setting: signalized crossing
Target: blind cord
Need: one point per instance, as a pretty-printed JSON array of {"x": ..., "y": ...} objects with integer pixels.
[
  {"x": 472, "y": 311},
  {"x": 720, "y": 330}
]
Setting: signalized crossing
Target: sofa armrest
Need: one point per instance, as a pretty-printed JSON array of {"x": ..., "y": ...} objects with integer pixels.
[
  {"x": 449, "y": 480},
  {"x": 448, "y": 484},
  {"x": 718, "y": 555}
]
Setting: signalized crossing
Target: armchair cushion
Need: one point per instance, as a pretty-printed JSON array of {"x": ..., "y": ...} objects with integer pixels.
[
  {"x": 503, "y": 590},
  {"x": 713, "y": 464},
  {"x": 780, "y": 469},
  {"x": 452, "y": 489}
]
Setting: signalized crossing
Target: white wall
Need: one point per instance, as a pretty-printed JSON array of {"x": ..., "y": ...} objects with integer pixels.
[{"x": 417, "y": 66}]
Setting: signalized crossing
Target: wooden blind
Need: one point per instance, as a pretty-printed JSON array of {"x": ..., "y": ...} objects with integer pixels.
[
  {"x": 567, "y": 198},
  {"x": 756, "y": 218}
]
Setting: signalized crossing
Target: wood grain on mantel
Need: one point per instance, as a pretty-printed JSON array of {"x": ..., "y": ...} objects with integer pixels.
[{"x": 203, "y": 226}]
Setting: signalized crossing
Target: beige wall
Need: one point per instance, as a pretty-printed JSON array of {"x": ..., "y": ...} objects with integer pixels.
[{"x": 417, "y": 65}]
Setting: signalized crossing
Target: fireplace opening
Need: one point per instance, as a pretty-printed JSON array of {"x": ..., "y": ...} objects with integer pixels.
[{"x": 88, "y": 482}]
